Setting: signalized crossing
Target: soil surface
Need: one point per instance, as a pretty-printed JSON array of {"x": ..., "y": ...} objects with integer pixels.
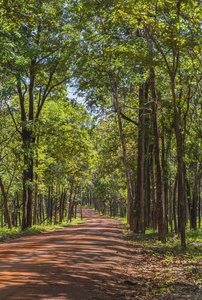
[
  {"x": 91, "y": 261},
  {"x": 80, "y": 262}
]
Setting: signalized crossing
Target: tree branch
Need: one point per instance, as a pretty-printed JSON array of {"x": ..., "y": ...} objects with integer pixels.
[
  {"x": 13, "y": 119},
  {"x": 128, "y": 119}
]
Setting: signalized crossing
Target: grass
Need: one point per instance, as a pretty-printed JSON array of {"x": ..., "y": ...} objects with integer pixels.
[
  {"x": 173, "y": 270},
  {"x": 122, "y": 220},
  {"x": 150, "y": 241},
  {"x": 16, "y": 232}
]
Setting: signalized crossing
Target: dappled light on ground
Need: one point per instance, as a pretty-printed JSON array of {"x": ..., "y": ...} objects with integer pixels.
[{"x": 77, "y": 263}]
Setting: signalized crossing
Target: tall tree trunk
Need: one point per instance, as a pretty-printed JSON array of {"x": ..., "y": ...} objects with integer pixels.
[
  {"x": 181, "y": 196},
  {"x": 160, "y": 210},
  {"x": 5, "y": 201},
  {"x": 28, "y": 175},
  {"x": 127, "y": 172},
  {"x": 49, "y": 204},
  {"x": 170, "y": 211},
  {"x": 62, "y": 202},
  {"x": 36, "y": 187},
  {"x": 43, "y": 206},
  {"x": 70, "y": 199},
  {"x": 56, "y": 204},
  {"x": 165, "y": 181},
  {"x": 73, "y": 202},
  {"x": 174, "y": 204},
  {"x": 147, "y": 187},
  {"x": 28, "y": 146},
  {"x": 153, "y": 194},
  {"x": 139, "y": 199}
]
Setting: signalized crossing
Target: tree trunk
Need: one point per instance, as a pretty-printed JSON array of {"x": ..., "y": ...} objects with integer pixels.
[
  {"x": 181, "y": 196},
  {"x": 28, "y": 176},
  {"x": 127, "y": 172},
  {"x": 62, "y": 202},
  {"x": 57, "y": 192},
  {"x": 165, "y": 182},
  {"x": 36, "y": 188},
  {"x": 27, "y": 192},
  {"x": 160, "y": 210},
  {"x": 170, "y": 211},
  {"x": 28, "y": 146},
  {"x": 139, "y": 199},
  {"x": 5, "y": 200},
  {"x": 147, "y": 181},
  {"x": 49, "y": 205},
  {"x": 73, "y": 202},
  {"x": 153, "y": 195},
  {"x": 70, "y": 199},
  {"x": 174, "y": 205}
]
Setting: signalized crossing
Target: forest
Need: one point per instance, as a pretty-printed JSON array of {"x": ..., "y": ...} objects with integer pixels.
[{"x": 101, "y": 106}]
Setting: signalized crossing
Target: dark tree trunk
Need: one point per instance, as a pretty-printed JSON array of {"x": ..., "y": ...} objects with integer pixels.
[
  {"x": 62, "y": 205},
  {"x": 5, "y": 201},
  {"x": 165, "y": 182},
  {"x": 160, "y": 210},
  {"x": 73, "y": 203},
  {"x": 36, "y": 188},
  {"x": 181, "y": 196},
  {"x": 153, "y": 194},
  {"x": 170, "y": 210},
  {"x": 56, "y": 205},
  {"x": 139, "y": 199},
  {"x": 130, "y": 217},
  {"x": 147, "y": 183},
  {"x": 70, "y": 199},
  {"x": 28, "y": 175},
  {"x": 28, "y": 146},
  {"x": 174, "y": 205},
  {"x": 49, "y": 205}
]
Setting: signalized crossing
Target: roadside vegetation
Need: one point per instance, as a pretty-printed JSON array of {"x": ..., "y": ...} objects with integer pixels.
[
  {"x": 164, "y": 271},
  {"x": 16, "y": 232}
]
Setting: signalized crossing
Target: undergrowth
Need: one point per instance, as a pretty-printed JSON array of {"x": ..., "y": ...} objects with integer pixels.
[
  {"x": 16, "y": 232},
  {"x": 173, "y": 269}
]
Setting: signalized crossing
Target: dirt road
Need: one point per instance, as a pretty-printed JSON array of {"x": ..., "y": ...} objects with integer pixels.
[{"x": 77, "y": 263}]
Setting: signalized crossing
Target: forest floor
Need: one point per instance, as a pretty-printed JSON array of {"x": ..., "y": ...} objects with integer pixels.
[{"x": 94, "y": 261}]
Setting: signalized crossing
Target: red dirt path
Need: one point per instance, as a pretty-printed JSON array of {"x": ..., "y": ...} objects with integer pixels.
[{"x": 77, "y": 263}]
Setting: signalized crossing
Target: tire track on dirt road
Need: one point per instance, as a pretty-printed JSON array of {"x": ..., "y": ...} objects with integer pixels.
[
  {"x": 69, "y": 264},
  {"x": 66, "y": 236}
]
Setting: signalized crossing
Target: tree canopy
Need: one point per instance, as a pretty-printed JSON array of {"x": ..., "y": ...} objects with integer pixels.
[{"x": 133, "y": 147}]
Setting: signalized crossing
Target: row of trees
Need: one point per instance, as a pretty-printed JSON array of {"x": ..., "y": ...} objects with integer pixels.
[
  {"x": 138, "y": 66},
  {"x": 147, "y": 57}
]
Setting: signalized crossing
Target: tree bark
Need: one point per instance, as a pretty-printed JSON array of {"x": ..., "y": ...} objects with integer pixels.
[
  {"x": 28, "y": 175},
  {"x": 62, "y": 202},
  {"x": 5, "y": 201},
  {"x": 181, "y": 196},
  {"x": 139, "y": 199},
  {"x": 70, "y": 199},
  {"x": 127, "y": 172},
  {"x": 174, "y": 205},
  {"x": 165, "y": 181},
  {"x": 36, "y": 188},
  {"x": 159, "y": 196}
]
